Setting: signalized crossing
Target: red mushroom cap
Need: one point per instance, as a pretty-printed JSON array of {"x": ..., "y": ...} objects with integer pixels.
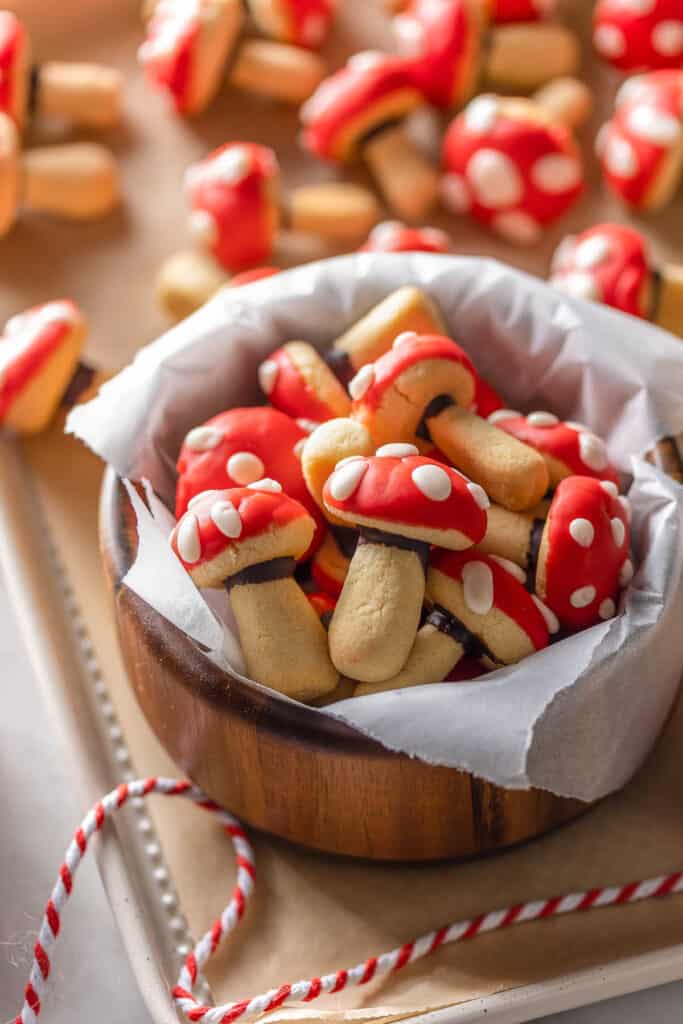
[
  {"x": 490, "y": 582},
  {"x": 221, "y": 521},
  {"x": 639, "y": 34},
  {"x": 393, "y": 236},
  {"x": 300, "y": 22},
  {"x": 510, "y": 167},
  {"x": 29, "y": 340},
  {"x": 445, "y": 39},
  {"x": 322, "y": 604},
  {"x": 521, "y": 10},
  {"x": 13, "y": 67},
  {"x": 168, "y": 52},
  {"x": 637, "y": 146},
  {"x": 370, "y": 90},
  {"x": 329, "y": 566},
  {"x": 399, "y": 491},
  {"x": 296, "y": 380},
  {"x": 576, "y": 448},
  {"x": 249, "y": 276},
  {"x": 607, "y": 263},
  {"x": 233, "y": 196},
  {"x": 584, "y": 555},
  {"x": 486, "y": 399}
]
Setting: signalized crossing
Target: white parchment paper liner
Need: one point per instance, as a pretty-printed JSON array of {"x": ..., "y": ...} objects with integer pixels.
[{"x": 577, "y": 718}]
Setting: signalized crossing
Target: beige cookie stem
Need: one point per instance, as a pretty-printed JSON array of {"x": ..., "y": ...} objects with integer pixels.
[
  {"x": 283, "y": 640},
  {"x": 378, "y": 612},
  {"x": 669, "y": 311},
  {"x": 523, "y": 57},
  {"x": 566, "y": 100},
  {"x": 87, "y": 94},
  {"x": 79, "y": 181},
  {"x": 507, "y": 534},
  {"x": 433, "y": 655},
  {"x": 408, "y": 181},
  {"x": 186, "y": 280},
  {"x": 511, "y": 473},
  {"x": 277, "y": 70},
  {"x": 406, "y": 309},
  {"x": 334, "y": 210}
]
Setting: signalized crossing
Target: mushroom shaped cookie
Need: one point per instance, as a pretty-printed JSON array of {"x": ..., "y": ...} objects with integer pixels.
[
  {"x": 327, "y": 445},
  {"x": 297, "y": 380},
  {"x": 357, "y": 112},
  {"x": 301, "y": 22},
  {"x": 421, "y": 392},
  {"x": 512, "y": 166},
  {"x": 454, "y": 49},
  {"x": 479, "y": 608},
  {"x": 39, "y": 352},
  {"x": 189, "y": 278},
  {"x": 639, "y": 35},
  {"x": 568, "y": 448},
  {"x": 189, "y": 43},
  {"x": 401, "y": 503},
  {"x": 641, "y": 147},
  {"x": 486, "y": 399},
  {"x": 234, "y": 195},
  {"x": 522, "y": 10},
  {"x": 248, "y": 539},
  {"x": 78, "y": 181},
  {"x": 610, "y": 263},
  {"x": 393, "y": 236},
  {"x": 86, "y": 94}
]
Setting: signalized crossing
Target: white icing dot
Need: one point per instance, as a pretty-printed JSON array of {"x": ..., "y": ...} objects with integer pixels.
[
  {"x": 405, "y": 338},
  {"x": 299, "y": 447},
  {"x": 396, "y": 451},
  {"x": 201, "y": 439},
  {"x": 480, "y": 116},
  {"x": 245, "y": 467},
  {"x": 607, "y": 609},
  {"x": 579, "y": 285},
  {"x": 582, "y": 597},
  {"x": 578, "y": 427},
  {"x": 187, "y": 538},
  {"x": 556, "y": 173},
  {"x": 267, "y": 485},
  {"x": 626, "y": 573},
  {"x": 564, "y": 253},
  {"x": 667, "y": 38},
  {"x": 409, "y": 34},
  {"x": 653, "y": 125},
  {"x": 638, "y": 6},
  {"x": 609, "y": 40},
  {"x": 308, "y": 425},
  {"x": 455, "y": 193},
  {"x": 511, "y": 567},
  {"x": 517, "y": 227},
  {"x": 201, "y": 497},
  {"x": 386, "y": 234},
  {"x": 620, "y": 157},
  {"x": 592, "y": 251},
  {"x": 226, "y": 518},
  {"x": 267, "y": 375},
  {"x": 582, "y": 531},
  {"x": 362, "y": 382},
  {"x": 346, "y": 478},
  {"x": 635, "y": 88},
  {"x": 549, "y": 616},
  {"x": 479, "y": 495},
  {"x": 439, "y": 239},
  {"x": 228, "y": 167},
  {"x": 618, "y": 531},
  {"x": 626, "y": 507},
  {"x": 592, "y": 452},
  {"x": 477, "y": 580},
  {"x": 610, "y": 488},
  {"x": 203, "y": 227},
  {"x": 432, "y": 481},
  {"x": 503, "y": 414},
  {"x": 542, "y": 419},
  {"x": 495, "y": 179},
  {"x": 366, "y": 59},
  {"x": 348, "y": 459}
]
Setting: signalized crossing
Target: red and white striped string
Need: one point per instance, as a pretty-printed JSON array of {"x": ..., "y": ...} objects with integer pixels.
[{"x": 299, "y": 991}]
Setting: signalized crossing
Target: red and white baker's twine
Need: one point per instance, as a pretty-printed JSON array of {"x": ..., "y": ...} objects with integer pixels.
[{"x": 300, "y": 991}]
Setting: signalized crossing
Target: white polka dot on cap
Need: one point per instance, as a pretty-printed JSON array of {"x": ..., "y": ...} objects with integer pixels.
[
  {"x": 494, "y": 178},
  {"x": 433, "y": 482},
  {"x": 556, "y": 173}
]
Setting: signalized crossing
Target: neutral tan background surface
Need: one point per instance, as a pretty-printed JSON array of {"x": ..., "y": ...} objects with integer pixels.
[{"x": 312, "y": 914}]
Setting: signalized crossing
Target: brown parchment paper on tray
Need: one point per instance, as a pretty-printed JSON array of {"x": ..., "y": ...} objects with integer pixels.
[{"x": 312, "y": 914}]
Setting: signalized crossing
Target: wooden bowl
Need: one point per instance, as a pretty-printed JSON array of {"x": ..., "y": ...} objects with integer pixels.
[{"x": 289, "y": 770}]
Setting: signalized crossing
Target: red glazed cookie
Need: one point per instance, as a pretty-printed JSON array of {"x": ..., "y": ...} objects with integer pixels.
[
  {"x": 511, "y": 167},
  {"x": 584, "y": 554},
  {"x": 568, "y": 448},
  {"x": 641, "y": 147},
  {"x": 300, "y": 22},
  {"x": 14, "y": 67},
  {"x": 393, "y": 236},
  {"x": 298, "y": 381},
  {"x": 330, "y": 565},
  {"x": 486, "y": 399},
  {"x": 636, "y": 35},
  {"x": 607, "y": 263},
  {"x": 522, "y": 10},
  {"x": 233, "y": 196}
]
